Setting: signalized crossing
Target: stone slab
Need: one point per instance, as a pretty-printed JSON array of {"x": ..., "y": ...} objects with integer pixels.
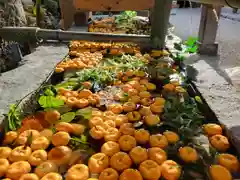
[
  {"x": 35, "y": 68},
  {"x": 220, "y": 94}
]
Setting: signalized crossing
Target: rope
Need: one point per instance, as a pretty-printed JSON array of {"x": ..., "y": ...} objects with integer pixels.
[{"x": 226, "y": 1}]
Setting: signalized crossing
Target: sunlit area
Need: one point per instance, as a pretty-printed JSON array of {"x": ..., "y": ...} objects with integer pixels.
[{"x": 119, "y": 90}]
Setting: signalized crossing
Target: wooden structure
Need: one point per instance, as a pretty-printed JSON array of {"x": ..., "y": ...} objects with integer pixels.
[
  {"x": 207, "y": 29},
  {"x": 160, "y": 16},
  {"x": 70, "y": 7}
]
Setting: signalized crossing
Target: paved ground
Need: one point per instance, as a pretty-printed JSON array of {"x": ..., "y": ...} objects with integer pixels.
[{"x": 186, "y": 22}]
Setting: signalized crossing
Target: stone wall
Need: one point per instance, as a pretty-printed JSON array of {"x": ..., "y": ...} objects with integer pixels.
[
  {"x": 11, "y": 14},
  {"x": 20, "y": 13}
]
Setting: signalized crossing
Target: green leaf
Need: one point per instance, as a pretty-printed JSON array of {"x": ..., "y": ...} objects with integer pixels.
[
  {"x": 83, "y": 138},
  {"x": 192, "y": 45},
  {"x": 198, "y": 99},
  {"x": 68, "y": 117},
  {"x": 86, "y": 113},
  {"x": 29, "y": 140},
  {"x": 35, "y": 11},
  {"x": 54, "y": 130},
  {"x": 50, "y": 102},
  {"x": 63, "y": 109},
  {"x": 13, "y": 117},
  {"x": 49, "y": 92}
]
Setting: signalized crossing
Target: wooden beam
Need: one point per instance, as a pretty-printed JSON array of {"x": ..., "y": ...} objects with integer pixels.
[
  {"x": 159, "y": 21},
  {"x": 113, "y": 5},
  {"x": 137, "y": 5}
]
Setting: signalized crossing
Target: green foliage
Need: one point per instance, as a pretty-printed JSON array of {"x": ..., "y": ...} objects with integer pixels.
[
  {"x": 192, "y": 44},
  {"x": 35, "y": 11},
  {"x": 47, "y": 99},
  {"x": 63, "y": 109},
  {"x": 50, "y": 102},
  {"x": 198, "y": 99},
  {"x": 68, "y": 117},
  {"x": 81, "y": 143},
  {"x": 125, "y": 16},
  {"x": 182, "y": 48},
  {"x": 103, "y": 74},
  {"x": 183, "y": 116},
  {"x": 29, "y": 140},
  {"x": 14, "y": 120},
  {"x": 86, "y": 113},
  {"x": 49, "y": 92},
  {"x": 67, "y": 85}
]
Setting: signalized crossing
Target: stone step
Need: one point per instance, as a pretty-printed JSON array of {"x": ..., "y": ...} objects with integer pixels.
[{"x": 223, "y": 98}]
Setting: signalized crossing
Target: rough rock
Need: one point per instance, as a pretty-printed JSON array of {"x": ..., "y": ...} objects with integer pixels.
[
  {"x": 48, "y": 21},
  {"x": 11, "y": 14},
  {"x": 14, "y": 14}
]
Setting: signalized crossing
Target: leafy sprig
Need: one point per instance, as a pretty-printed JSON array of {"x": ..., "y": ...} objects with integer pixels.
[
  {"x": 183, "y": 116},
  {"x": 14, "y": 118}
]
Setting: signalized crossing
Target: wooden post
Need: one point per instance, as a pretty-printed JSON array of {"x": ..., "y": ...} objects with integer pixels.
[
  {"x": 81, "y": 18},
  {"x": 159, "y": 21},
  {"x": 208, "y": 29},
  {"x": 67, "y": 11},
  {"x": 71, "y": 14}
]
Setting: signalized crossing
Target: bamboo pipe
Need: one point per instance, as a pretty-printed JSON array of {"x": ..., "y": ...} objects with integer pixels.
[{"x": 31, "y": 33}]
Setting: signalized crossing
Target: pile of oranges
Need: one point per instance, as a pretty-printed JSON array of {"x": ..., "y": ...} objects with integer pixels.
[
  {"x": 104, "y": 48},
  {"x": 82, "y": 60},
  {"x": 78, "y": 99},
  {"x": 91, "y": 28},
  {"x": 226, "y": 163},
  {"x": 41, "y": 156},
  {"x": 36, "y": 151},
  {"x": 126, "y": 147}
]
